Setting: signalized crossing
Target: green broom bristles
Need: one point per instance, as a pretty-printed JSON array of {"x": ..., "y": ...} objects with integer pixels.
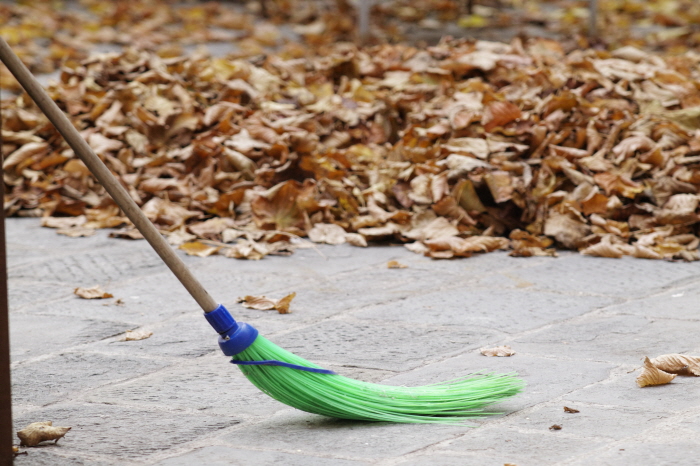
[{"x": 451, "y": 402}]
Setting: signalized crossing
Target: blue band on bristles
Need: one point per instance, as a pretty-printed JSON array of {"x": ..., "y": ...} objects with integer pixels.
[{"x": 272, "y": 362}]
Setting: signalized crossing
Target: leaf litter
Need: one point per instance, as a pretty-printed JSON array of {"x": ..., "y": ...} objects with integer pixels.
[
  {"x": 498, "y": 351},
  {"x": 136, "y": 335},
  {"x": 463, "y": 147},
  {"x": 651, "y": 375},
  {"x": 263, "y": 303},
  {"x": 37, "y": 432},
  {"x": 94, "y": 292}
]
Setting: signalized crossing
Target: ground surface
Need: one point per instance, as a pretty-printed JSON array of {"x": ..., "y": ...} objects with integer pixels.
[{"x": 580, "y": 326}]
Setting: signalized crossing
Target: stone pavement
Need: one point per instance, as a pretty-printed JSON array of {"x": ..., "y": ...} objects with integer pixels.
[{"x": 580, "y": 326}]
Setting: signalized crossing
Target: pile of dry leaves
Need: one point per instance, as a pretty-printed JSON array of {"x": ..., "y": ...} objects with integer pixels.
[{"x": 453, "y": 149}]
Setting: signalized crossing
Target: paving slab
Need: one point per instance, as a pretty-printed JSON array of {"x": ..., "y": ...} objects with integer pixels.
[{"x": 580, "y": 327}]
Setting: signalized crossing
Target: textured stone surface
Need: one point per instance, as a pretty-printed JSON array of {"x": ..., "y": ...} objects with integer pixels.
[
  {"x": 508, "y": 311},
  {"x": 580, "y": 327},
  {"x": 227, "y": 456},
  {"x": 63, "y": 375},
  {"x": 524, "y": 448},
  {"x": 314, "y": 435},
  {"x": 126, "y": 432}
]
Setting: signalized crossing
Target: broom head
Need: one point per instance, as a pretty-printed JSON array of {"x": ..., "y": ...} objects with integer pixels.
[{"x": 301, "y": 384}]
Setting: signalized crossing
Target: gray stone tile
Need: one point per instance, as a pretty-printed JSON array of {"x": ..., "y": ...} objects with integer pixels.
[
  {"x": 389, "y": 346},
  {"x": 508, "y": 310},
  {"x": 52, "y": 454},
  {"x": 676, "y": 303},
  {"x": 124, "y": 432},
  {"x": 666, "y": 446},
  {"x": 65, "y": 375},
  {"x": 227, "y": 456},
  {"x": 622, "y": 391},
  {"x": 94, "y": 265},
  {"x": 188, "y": 336},
  {"x": 35, "y": 335},
  {"x": 524, "y": 448},
  {"x": 610, "y": 337},
  {"x": 626, "y": 277},
  {"x": 611, "y": 422},
  {"x": 23, "y": 293},
  {"x": 450, "y": 459},
  {"x": 316, "y": 435},
  {"x": 210, "y": 385}
]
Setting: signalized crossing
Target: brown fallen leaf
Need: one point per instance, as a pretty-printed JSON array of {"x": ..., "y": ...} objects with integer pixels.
[
  {"x": 395, "y": 265},
  {"x": 95, "y": 292},
  {"x": 37, "y": 432},
  {"x": 136, "y": 335},
  {"x": 199, "y": 249},
  {"x": 263, "y": 303},
  {"x": 77, "y": 232},
  {"x": 63, "y": 223},
  {"x": 680, "y": 364},
  {"x": 328, "y": 233},
  {"x": 126, "y": 233},
  {"x": 571, "y": 410},
  {"x": 652, "y": 376},
  {"x": 498, "y": 351},
  {"x": 356, "y": 239},
  {"x": 555, "y": 427}
]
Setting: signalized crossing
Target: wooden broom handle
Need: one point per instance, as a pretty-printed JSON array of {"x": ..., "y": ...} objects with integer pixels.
[{"x": 105, "y": 177}]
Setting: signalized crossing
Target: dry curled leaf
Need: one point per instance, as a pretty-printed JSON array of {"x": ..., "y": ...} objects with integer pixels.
[
  {"x": 136, "y": 335},
  {"x": 498, "y": 351},
  {"x": 76, "y": 232},
  {"x": 555, "y": 427},
  {"x": 652, "y": 376},
  {"x": 394, "y": 264},
  {"x": 680, "y": 364},
  {"x": 570, "y": 410},
  {"x": 327, "y": 233},
  {"x": 38, "y": 432},
  {"x": 197, "y": 248},
  {"x": 95, "y": 292},
  {"x": 263, "y": 303}
]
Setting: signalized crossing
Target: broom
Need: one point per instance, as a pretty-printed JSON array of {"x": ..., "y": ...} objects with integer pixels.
[{"x": 280, "y": 374}]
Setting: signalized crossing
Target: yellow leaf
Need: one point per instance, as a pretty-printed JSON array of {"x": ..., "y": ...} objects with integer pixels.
[
  {"x": 95, "y": 292},
  {"x": 652, "y": 376},
  {"x": 37, "y": 432},
  {"x": 196, "y": 248},
  {"x": 499, "y": 351}
]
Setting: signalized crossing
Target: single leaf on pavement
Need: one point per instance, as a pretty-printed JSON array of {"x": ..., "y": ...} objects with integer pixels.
[
  {"x": 263, "y": 303},
  {"x": 37, "y": 432},
  {"x": 394, "y": 264},
  {"x": 680, "y": 364},
  {"x": 197, "y": 248},
  {"x": 95, "y": 292},
  {"x": 652, "y": 376},
  {"x": 499, "y": 351},
  {"x": 136, "y": 335}
]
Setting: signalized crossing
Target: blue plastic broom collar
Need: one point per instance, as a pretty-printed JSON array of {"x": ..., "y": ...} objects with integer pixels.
[{"x": 234, "y": 337}]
